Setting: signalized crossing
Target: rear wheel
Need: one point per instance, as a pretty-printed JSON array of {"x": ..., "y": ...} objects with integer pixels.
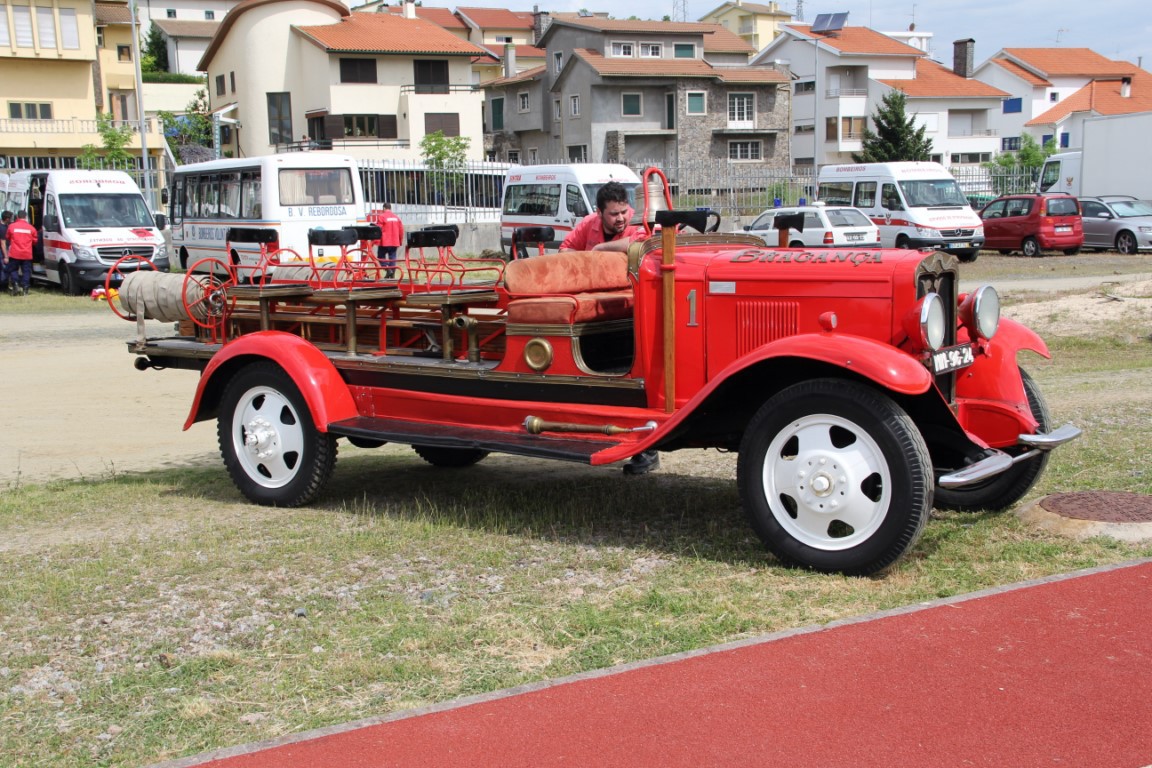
[
  {"x": 902, "y": 242},
  {"x": 835, "y": 477},
  {"x": 1004, "y": 490},
  {"x": 1071, "y": 251},
  {"x": 1126, "y": 243},
  {"x": 1030, "y": 247},
  {"x": 273, "y": 451},
  {"x": 449, "y": 458}
]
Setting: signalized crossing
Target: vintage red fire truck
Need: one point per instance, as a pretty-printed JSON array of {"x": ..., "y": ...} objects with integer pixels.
[{"x": 859, "y": 387}]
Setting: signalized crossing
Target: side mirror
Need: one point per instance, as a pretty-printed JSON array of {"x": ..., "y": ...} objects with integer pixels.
[
  {"x": 52, "y": 223},
  {"x": 161, "y": 222},
  {"x": 1104, "y": 215},
  {"x": 164, "y": 196}
]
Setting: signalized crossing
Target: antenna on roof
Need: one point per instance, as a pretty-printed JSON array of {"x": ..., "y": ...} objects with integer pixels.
[
  {"x": 679, "y": 10},
  {"x": 1059, "y": 33},
  {"x": 799, "y": 10}
]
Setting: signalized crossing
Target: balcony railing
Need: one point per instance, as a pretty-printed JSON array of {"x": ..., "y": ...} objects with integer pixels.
[
  {"x": 970, "y": 133},
  {"x": 843, "y": 93},
  {"x": 439, "y": 88},
  {"x": 69, "y": 125}
]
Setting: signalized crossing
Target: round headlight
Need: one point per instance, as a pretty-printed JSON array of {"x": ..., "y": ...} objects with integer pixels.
[
  {"x": 980, "y": 312},
  {"x": 932, "y": 321}
]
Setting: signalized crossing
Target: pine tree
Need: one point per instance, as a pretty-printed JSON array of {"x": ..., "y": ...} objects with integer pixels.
[{"x": 896, "y": 137}]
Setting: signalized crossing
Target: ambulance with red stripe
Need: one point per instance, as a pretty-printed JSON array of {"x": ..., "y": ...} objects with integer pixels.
[
  {"x": 88, "y": 221},
  {"x": 556, "y": 196},
  {"x": 915, "y": 204}
]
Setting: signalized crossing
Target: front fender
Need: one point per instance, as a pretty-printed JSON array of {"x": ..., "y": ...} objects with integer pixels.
[
  {"x": 319, "y": 382},
  {"x": 990, "y": 397}
]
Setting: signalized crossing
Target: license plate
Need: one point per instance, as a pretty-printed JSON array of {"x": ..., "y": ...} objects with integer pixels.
[
  {"x": 952, "y": 358},
  {"x": 958, "y": 245},
  {"x": 1063, "y": 229},
  {"x": 855, "y": 237}
]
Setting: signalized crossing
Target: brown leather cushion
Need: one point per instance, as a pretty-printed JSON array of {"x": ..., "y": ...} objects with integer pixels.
[
  {"x": 576, "y": 308},
  {"x": 567, "y": 272}
]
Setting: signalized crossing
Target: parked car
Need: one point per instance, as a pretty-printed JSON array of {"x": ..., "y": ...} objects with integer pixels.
[
  {"x": 825, "y": 226},
  {"x": 1117, "y": 221},
  {"x": 1033, "y": 223}
]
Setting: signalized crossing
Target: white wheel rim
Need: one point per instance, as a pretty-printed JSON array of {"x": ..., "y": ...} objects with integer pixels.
[
  {"x": 827, "y": 482},
  {"x": 267, "y": 437}
]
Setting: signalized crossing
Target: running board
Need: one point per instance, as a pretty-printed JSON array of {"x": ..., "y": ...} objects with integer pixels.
[
  {"x": 998, "y": 461},
  {"x": 519, "y": 443}
]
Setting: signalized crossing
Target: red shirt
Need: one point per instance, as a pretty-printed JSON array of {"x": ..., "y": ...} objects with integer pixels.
[
  {"x": 391, "y": 228},
  {"x": 590, "y": 232},
  {"x": 21, "y": 237}
]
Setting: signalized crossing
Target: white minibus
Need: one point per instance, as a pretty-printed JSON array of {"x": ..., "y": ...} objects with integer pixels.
[
  {"x": 291, "y": 193},
  {"x": 557, "y": 196},
  {"x": 88, "y": 221},
  {"x": 914, "y": 204}
]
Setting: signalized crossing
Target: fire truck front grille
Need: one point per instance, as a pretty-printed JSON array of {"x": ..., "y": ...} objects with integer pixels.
[
  {"x": 957, "y": 232},
  {"x": 111, "y": 254}
]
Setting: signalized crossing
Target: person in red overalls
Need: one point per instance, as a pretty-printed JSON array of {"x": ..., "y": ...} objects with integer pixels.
[
  {"x": 391, "y": 237},
  {"x": 18, "y": 261}
]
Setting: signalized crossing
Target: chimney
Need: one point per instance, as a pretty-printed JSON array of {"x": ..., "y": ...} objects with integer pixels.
[
  {"x": 541, "y": 20},
  {"x": 509, "y": 60},
  {"x": 409, "y": 9},
  {"x": 1125, "y": 87},
  {"x": 962, "y": 54}
]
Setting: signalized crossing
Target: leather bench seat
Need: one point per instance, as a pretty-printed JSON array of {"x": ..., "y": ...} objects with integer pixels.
[{"x": 569, "y": 287}]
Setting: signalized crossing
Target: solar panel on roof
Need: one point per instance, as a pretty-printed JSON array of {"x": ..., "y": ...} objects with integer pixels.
[{"x": 829, "y": 22}]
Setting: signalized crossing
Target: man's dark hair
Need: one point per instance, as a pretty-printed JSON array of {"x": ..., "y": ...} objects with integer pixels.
[
  {"x": 612, "y": 192},
  {"x": 6, "y": 216}
]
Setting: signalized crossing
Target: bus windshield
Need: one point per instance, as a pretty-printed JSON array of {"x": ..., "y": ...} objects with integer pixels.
[
  {"x": 104, "y": 210},
  {"x": 932, "y": 192}
]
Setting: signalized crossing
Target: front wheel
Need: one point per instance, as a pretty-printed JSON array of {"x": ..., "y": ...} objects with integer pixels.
[
  {"x": 835, "y": 477},
  {"x": 273, "y": 451},
  {"x": 1030, "y": 247},
  {"x": 1126, "y": 243},
  {"x": 1007, "y": 488},
  {"x": 67, "y": 282}
]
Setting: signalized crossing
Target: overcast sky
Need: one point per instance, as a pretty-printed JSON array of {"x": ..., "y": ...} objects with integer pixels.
[{"x": 1117, "y": 29}]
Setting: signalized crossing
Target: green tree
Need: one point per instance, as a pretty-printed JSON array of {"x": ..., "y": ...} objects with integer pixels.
[
  {"x": 188, "y": 134},
  {"x": 155, "y": 54},
  {"x": 446, "y": 156},
  {"x": 896, "y": 137},
  {"x": 1013, "y": 172},
  {"x": 115, "y": 140}
]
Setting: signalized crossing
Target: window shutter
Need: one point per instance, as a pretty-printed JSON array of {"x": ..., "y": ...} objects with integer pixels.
[
  {"x": 387, "y": 126},
  {"x": 333, "y": 127}
]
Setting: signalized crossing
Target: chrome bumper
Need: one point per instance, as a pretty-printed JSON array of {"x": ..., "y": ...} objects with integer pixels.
[{"x": 998, "y": 461}]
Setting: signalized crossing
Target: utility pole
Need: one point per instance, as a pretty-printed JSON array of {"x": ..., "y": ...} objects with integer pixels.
[{"x": 140, "y": 104}]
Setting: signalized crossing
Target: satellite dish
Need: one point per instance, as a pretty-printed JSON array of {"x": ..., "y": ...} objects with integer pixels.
[{"x": 827, "y": 23}]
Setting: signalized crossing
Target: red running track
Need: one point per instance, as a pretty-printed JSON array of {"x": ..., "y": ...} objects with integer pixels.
[{"x": 1050, "y": 673}]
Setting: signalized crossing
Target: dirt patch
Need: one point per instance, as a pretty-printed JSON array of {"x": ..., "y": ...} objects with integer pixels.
[{"x": 1115, "y": 304}]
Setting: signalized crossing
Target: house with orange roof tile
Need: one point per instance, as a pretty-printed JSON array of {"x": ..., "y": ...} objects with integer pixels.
[
  {"x": 840, "y": 78},
  {"x": 1052, "y": 90},
  {"x": 756, "y": 23},
  {"x": 632, "y": 91},
  {"x": 370, "y": 85}
]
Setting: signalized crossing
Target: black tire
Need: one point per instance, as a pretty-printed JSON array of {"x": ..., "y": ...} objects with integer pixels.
[
  {"x": 1004, "y": 251},
  {"x": 968, "y": 255},
  {"x": 366, "y": 442},
  {"x": 1002, "y": 491},
  {"x": 835, "y": 477},
  {"x": 272, "y": 450},
  {"x": 1071, "y": 251},
  {"x": 67, "y": 282},
  {"x": 449, "y": 458},
  {"x": 796, "y": 244},
  {"x": 1126, "y": 243},
  {"x": 902, "y": 242},
  {"x": 1030, "y": 247}
]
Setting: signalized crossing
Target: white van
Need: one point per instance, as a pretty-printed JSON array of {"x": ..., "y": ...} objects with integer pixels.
[
  {"x": 88, "y": 220},
  {"x": 556, "y": 196},
  {"x": 915, "y": 205}
]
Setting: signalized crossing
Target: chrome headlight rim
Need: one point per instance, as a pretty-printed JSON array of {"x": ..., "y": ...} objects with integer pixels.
[
  {"x": 933, "y": 321},
  {"x": 980, "y": 312}
]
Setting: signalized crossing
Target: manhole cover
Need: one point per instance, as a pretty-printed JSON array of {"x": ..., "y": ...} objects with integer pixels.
[{"x": 1101, "y": 506}]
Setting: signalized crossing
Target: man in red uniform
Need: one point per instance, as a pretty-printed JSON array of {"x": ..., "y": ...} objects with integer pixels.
[
  {"x": 391, "y": 237},
  {"x": 610, "y": 227},
  {"x": 18, "y": 261}
]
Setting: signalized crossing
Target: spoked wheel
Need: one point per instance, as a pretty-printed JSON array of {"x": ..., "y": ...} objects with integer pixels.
[
  {"x": 449, "y": 458},
  {"x": 360, "y": 266},
  {"x": 115, "y": 278},
  {"x": 205, "y": 292},
  {"x": 1007, "y": 488},
  {"x": 835, "y": 477},
  {"x": 1126, "y": 243},
  {"x": 273, "y": 451}
]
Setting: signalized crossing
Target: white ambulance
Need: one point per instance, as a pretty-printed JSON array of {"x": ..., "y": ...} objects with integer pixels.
[
  {"x": 915, "y": 204},
  {"x": 557, "y": 196},
  {"x": 88, "y": 221}
]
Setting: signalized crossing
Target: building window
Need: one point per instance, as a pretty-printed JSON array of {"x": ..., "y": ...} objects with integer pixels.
[
  {"x": 651, "y": 50},
  {"x": 743, "y": 150},
  {"x": 742, "y": 109},
  {"x": 279, "y": 118},
  {"x": 124, "y": 53},
  {"x": 578, "y": 153},
  {"x": 806, "y": 86},
  {"x": 209, "y": 15},
  {"x": 1064, "y": 139},
  {"x": 69, "y": 30},
  {"x": 99, "y": 38},
  {"x": 361, "y": 126},
  {"x": 431, "y": 76},
  {"x": 852, "y": 128},
  {"x": 358, "y": 70},
  {"x": 220, "y": 85},
  {"x": 170, "y": 13},
  {"x": 557, "y": 110},
  {"x": 533, "y": 155},
  {"x": 497, "y": 114},
  {"x": 447, "y": 123},
  {"x": 523, "y": 103},
  {"x": 1010, "y": 143},
  {"x": 625, "y": 50},
  {"x": 557, "y": 62},
  {"x": 46, "y": 27},
  {"x": 970, "y": 158},
  {"x": 22, "y": 22},
  {"x": 684, "y": 50},
  {"x": 504, "y": 39},
  {"x": 697, "y": 103},
  {"x": 574, "y": 106},
  {"x": 1012, "y": 106},
  {"x": 804, "y": 128},
  {"x": 27, "y": 111},
  {"x": 514, "y": 156},
  {"x": 232, "y": 81},
  {"x": 1053, "y": 96},
  {"x": 631, "y": 105}
]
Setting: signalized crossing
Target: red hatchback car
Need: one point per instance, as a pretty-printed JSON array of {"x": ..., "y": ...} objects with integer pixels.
[{"x": 1032, "y": 223}]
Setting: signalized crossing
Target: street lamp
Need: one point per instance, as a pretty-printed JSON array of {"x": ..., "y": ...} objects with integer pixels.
[{"x": 826, "y": 25}]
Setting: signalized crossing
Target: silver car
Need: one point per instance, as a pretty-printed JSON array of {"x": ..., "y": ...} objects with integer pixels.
[
  {"x": 1117, "y": 221},
  {"x": 825, "y": 226}
]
